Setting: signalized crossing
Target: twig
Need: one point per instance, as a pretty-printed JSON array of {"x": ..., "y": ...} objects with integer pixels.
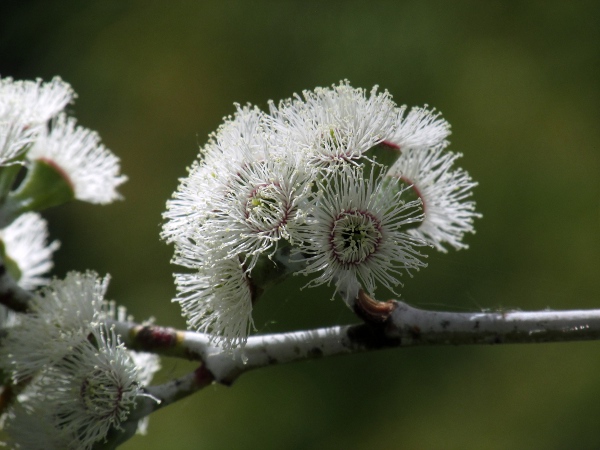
[{"x": 404, "y": 326}]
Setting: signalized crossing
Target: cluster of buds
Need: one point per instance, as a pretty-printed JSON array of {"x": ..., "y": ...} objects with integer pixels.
[
  {"x": 67, "y": 380},
  {"x": 338, "y": 184}
]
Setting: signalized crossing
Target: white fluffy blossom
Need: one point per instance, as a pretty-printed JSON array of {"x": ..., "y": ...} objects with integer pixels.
[
  {"x": 76, "y": 401},
  {"x": 92, "y": 389},
  {"x": 235, "y": 143},
  {"x": 354, "y": 234},
  {"x": 420, "y": 128},
  {"x": 444, "y": 192},
  {"x": 65, "y": 313},
  {"x": 333, "y": 125},
  {"x": 238, "y": 202},
  {"x": 90, "y": 168},
  {"x": 25, "y": 107},
  {"x": 244, "y": 195},
  {"x": 262, "y": 204},
  {"x": 217, "y": 299},
  {"x": 25, "y": 244}
]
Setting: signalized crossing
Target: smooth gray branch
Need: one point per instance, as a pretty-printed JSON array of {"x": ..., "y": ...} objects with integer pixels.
[{"x": 404, "y": 326}]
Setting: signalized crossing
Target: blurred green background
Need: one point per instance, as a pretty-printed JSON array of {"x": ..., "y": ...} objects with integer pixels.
[{"x": 518, "y": 81}]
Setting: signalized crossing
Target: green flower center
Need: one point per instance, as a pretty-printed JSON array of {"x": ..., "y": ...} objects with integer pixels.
[
  {"x": 355, "y": 236},
  {"x": 100, "y": 395},
  {"x": 266, "y": 208}
]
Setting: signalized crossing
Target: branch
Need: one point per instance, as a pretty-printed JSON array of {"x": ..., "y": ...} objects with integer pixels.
[
  {"x": 403, "y": 326},
  {"x": 165, "y": 394}
]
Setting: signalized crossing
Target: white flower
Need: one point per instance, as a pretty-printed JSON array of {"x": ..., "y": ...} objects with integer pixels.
[
  {"x": 262, "y": 205},
  {"x": 236, "y": 203},
  {"x": 421, "y": 128},
  {"x": 93, "y": 389},
  {"x": 333, "y": 125},
  {"x": 25, "y": 106},
  {"x": 80, "y": 398},
  {"x": 90, "y": 168},
  {"x": 34, "y": 101},
  {"x": 245, "y": 194},
  {"x": 25, "y": 243},
  {"x": 217, "y": 299},
  {"x": 444, "y": 192},
  {"x": 236, "y": 142},
  {"x": 354, "y": 234},
  {"x": 65, "y": 313}
]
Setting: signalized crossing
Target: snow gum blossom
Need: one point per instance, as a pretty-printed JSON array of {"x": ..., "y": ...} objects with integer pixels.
[{"x": 339, "y": 184}]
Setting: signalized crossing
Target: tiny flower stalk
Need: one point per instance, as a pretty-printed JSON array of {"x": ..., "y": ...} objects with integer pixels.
[
  {"x": 8, "y": 175},
  {"x": 45, "y": 185},
  {"x": 372, "y": 311},
  {"x": 270, "y": 270},
  {"x": 10, "y": 264}
]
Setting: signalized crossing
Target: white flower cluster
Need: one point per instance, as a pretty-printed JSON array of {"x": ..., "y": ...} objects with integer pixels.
[
  {"x": 68, "y": 380},
  {"x": 340, "y": 184},
  {"x": 79, "y": 380},
  {"x": 34, "y": 128}
]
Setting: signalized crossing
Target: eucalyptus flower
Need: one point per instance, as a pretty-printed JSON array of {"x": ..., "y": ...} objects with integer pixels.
[
  {"x": 419, "y": 128},
  {"x": 63, "y": 315},
  {"x": 445, "y": 194},
  {"x": 217, "y": 299},
  {"x": 25, "y": 107},
  {"x": 355, "y": 234},
  {"x": 26, "y": 250},
  {"x": 237, "y": 142},
  {"x": 262, "y": 205},
  {"x": 77, "y": 400},
  {"x": 334, "y": 125},
  {"x": 75, "y": 153},
  {"x": 81, "y": 383},
  {"x": 93, "y": 388}
]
